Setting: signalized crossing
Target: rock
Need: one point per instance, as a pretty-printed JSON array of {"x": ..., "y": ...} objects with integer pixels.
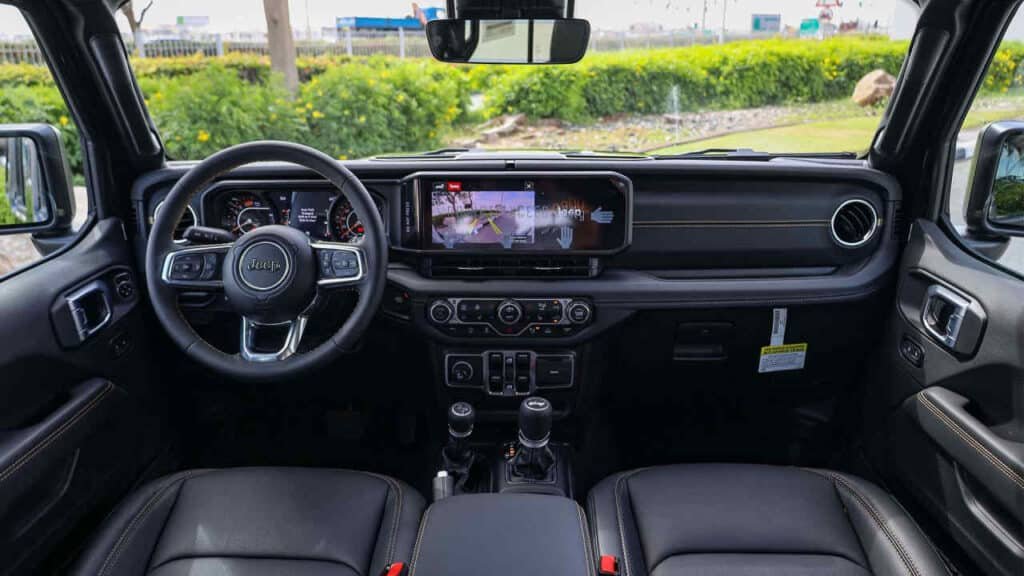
[
  {"x": 873, "y": 88},
  {"x": 508, "y": 125}
]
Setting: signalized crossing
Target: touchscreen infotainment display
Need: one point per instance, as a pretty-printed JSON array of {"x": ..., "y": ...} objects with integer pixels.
[{"x": 542, "y": 214}]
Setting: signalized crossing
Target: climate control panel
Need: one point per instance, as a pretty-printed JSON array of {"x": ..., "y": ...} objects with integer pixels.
[{"x": 492, "y": 317}]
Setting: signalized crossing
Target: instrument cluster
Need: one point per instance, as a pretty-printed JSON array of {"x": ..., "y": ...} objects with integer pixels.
[{"x": 323, "y": 214}]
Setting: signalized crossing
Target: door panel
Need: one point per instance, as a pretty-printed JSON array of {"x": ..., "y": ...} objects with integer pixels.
[
  {"x": 949, "y": 407},
  {"x": 81, "y": 414}
]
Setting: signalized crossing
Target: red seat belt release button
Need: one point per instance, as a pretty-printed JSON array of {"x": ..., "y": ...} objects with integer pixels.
[
  {"x": 609, "y": 566},
  {"x": 396, "y": 569}
]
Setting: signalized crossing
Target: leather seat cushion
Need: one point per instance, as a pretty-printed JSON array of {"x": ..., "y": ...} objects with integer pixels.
[
  {"x": 259, "y": 521},
  {"x": 736, "y": 519}
]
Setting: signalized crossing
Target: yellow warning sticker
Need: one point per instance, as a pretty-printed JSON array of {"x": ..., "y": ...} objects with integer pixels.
[{"x": 782, "y": 357}]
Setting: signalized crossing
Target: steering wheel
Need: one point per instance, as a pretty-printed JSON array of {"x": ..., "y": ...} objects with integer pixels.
[{"x": 271, "y": 276}]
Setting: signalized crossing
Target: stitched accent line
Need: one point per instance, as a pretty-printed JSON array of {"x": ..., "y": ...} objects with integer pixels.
[
  {"x": 594, "y": 533},
  {"x": 115, "y": 552},
  {"x": 397, "y": 516},
  {"x": 971, "y": 441},
  {"x": 419, "y": 539},
  {"x": 908, "y": 562},
  {"x": 57, "y": 433},
  {"x": 618, "y": 514},
  {"x": 588, "y": 559}
]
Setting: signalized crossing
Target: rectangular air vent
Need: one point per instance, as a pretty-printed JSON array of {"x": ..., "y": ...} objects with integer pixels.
[{"x": 510, "y": 267}]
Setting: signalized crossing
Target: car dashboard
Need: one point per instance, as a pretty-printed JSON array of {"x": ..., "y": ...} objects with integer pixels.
[{"x": 515, "y": 271}]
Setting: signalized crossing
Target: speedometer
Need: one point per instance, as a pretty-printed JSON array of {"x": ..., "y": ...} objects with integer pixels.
[
  {"x": 344, "y": 223},
  {"x": 246, "y": 211}
]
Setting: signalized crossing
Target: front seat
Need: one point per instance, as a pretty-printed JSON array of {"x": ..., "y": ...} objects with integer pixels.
[
  {"x": 258, "y": 521},
  {"x": 746, "y": 520}
]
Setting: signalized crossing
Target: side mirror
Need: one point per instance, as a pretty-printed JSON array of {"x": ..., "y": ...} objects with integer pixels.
[
  {"x": 36, "y": 193},
  {"x": 995, "y": 203},
  {"x": 519, "y": 41}
]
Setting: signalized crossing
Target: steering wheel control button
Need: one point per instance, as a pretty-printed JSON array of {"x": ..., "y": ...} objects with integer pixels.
[
  {"x": 440, "y": 312},
  {"x": 580, "y": 312},
  {"x": 510, "y": 312},
  {"x": 263, "y": 266},
  {"x": 186, "y": 267}
]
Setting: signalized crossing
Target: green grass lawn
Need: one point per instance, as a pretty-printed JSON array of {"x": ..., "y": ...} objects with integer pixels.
[{"x": 842, "y": 135}]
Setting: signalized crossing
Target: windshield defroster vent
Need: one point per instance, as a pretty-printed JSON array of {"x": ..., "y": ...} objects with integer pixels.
[
  {"x": 510, "y": 267},
  {"x": 854, "y": 223}
]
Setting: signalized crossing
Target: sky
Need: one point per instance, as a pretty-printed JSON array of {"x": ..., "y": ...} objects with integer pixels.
[{"x": 247, "y": 15}]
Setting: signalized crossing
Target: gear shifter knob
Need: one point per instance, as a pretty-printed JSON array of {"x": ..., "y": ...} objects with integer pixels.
[
  {"x": 461, "y": 417},
  {"x": 534, "y": 422}
]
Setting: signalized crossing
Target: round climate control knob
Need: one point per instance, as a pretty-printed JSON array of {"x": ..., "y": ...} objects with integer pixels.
[
  {"x": 510, "y": 312},
  {"x": 579, "y": 312},
  {"x": 441, "y": 311}
]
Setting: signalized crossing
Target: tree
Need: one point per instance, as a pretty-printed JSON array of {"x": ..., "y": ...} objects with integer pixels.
[
  {"x": 282, "y": 45},
  {"x": 136, "y": 25}
]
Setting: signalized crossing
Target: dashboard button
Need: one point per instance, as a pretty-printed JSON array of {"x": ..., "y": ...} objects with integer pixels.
[
  {"x": 580, "y": 312},
  {"x": 510, "y": 312},
  {"x": 440, "y": 312}
]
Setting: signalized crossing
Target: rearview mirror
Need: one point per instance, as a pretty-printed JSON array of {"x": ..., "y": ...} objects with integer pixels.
[
  {"x": 995, "y": 207},
  {"x": 35, "y": 184},
  {"x": 520, "y": 41}
]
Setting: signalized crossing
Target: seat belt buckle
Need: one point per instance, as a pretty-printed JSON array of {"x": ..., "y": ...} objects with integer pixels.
[
  {"x": 395, "y": 569},
  {"x": 608, "y": 566}
]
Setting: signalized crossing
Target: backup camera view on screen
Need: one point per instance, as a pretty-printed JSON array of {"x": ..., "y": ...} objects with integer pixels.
[{"x": 543, "y": 215}]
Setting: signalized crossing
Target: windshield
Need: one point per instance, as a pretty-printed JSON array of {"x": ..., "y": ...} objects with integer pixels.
[{"x": 660, "y": 77}]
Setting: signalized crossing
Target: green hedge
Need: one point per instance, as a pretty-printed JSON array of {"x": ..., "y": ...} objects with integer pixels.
[
  {"x": 735, "y": 75},
  {"x": 354, "y": 107}
]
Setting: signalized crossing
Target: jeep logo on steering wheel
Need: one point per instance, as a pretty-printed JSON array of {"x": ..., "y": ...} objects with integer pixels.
[{"x": 265, "y": 265}]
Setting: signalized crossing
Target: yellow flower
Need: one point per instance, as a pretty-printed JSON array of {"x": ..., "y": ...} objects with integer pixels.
[
  {"x": 309, "y": 105},
  {"x": 273, "y": 117},
  {"x": 158, "y": 96},
  {"x": 203, "y": 136},
  {"x": 400, "y": 97},
  {"x": 362, "y": 119},
  {"x": 342, "y": 157},
  {"x": 318, "y": 114},
  {"x": 64, "y": 120}
]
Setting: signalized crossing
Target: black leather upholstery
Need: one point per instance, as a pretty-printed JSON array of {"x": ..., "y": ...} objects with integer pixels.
[
  {"x": 259, "y": 521},
  {"x": 503, "y": 535},
  {"x": 745, "y": 520}
]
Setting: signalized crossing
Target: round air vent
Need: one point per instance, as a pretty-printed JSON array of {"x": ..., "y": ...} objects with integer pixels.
[
  {"x": 187, "y": 219},
  {"x": 854, "y": 223}
]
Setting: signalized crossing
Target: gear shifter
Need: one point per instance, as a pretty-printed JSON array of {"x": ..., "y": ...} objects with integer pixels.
[
  {"x": 461, "y": 417},
  {"x": 534, "y": 459},
  {"x": 457, "y": 457}
]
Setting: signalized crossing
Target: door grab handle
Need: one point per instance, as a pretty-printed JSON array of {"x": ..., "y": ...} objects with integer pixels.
[
  {"x": 90, "y": 309},
  {"x": 943, "y": 314}
]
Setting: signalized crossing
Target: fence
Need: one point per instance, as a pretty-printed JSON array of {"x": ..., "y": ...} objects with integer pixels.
[{"x": 401, "y": 43}]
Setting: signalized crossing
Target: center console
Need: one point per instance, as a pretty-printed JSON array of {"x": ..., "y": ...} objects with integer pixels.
[{"x": 504, "y": 535}]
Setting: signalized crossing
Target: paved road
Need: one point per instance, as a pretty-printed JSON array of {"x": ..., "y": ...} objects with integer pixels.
[{"x": 1014, "y": 257}]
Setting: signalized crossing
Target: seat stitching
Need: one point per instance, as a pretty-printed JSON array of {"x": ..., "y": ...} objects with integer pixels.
[
  {"x": 618, "y": 513},
  {"x": 395, "y": 517},
  {"x": 419, "y": 540},
  {"x": 594, "y": 531},
  {"x": 588, "y": 559},
  {"x": 908, "y": 561},
  {"x": 115, "y": 553},
  {"x": 971, "y": 441},
  {"x": 54, "y": 435}
]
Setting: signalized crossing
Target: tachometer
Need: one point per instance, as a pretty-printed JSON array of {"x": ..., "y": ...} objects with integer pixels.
[
  {"x": 246, "y": 211},
  {"x": 344, "y": 223}
]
